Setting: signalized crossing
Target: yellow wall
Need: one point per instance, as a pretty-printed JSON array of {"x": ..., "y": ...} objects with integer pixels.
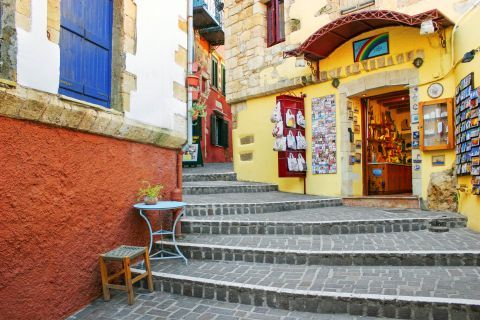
[
  {"x": 254, "y": 119},
  {"x": 466, "y": 40}
]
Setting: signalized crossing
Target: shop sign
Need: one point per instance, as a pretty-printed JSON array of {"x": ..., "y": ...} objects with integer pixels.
[{"x": 371, "y": 47}]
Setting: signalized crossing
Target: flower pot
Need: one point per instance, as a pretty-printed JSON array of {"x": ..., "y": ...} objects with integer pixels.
[
  {"x": 195, "y": 95},
  {"x": 193, "y": 81},
  {"x": 150, "y": 200}
]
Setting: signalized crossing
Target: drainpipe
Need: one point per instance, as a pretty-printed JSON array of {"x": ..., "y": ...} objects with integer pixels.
[
  {"x": 176, "y": 194},
  {"x": 190, "y": 42}
]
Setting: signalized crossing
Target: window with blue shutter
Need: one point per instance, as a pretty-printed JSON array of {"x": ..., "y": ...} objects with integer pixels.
[{"x": 86, "y": 50}]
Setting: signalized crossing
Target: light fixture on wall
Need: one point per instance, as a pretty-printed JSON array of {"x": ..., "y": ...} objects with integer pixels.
[
  {"x": 300, "y": 61},
  {"x": 335, "y": 82},
  {"x": 470, "y": 55},
  {"x": 418, "y": 62},
  {"x": 427, "y": 27}
]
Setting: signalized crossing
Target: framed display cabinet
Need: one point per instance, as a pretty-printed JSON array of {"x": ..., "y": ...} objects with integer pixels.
[{"x": 436, "y": 125}]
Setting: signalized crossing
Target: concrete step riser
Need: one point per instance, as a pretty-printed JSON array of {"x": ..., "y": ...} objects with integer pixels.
[
  {"x": 210, "y": 177},
  {"x": 326, "y": 303},
  {"x": 251, "y": 208},
  {"x": 382, "y": 203},
  {"x": 330, "y": 258},
  {"x": 228, "y": 189},
  {"x": 312, "y": 228}
]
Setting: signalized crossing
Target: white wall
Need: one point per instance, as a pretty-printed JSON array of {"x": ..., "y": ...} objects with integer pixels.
[
  {"x": 158, "y": 37},
  {"x": 38, "y": 59}
]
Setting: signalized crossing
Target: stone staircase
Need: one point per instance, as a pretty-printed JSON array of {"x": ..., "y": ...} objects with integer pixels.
[{"x": 249, "y": 244}]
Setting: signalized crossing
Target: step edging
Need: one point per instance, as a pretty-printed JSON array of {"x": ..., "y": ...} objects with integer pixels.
[
  {"x": 311, "y": 301},
  {"x": 341, "y": 258}
]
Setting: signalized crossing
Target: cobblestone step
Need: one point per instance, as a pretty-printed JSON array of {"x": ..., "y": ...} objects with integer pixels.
[
  {"x": 390, "y": 292},
  {"x": 252, "y": 203},
  {"x": 331, "y": 220},
  {"x": 216, "y": 187},
  {"x": 459, "y": 247},
  {"x": 161, "y": 305},
  {"x": 224, "y": 176}
]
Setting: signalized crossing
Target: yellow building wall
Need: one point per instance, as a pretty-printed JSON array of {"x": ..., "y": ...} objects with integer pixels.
[
  {"x": 254, "y": 117},
  {"x": 466, "y": 40}
]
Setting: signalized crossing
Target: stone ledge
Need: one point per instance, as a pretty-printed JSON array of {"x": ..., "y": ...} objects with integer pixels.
[{"x": 32, "y": 105}]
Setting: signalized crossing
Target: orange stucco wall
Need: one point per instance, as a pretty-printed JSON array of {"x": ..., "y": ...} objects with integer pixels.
[{"x": 66, "y": 197}]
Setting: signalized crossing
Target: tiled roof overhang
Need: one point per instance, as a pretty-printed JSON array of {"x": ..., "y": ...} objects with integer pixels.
[{"x": 331, "y": 36}]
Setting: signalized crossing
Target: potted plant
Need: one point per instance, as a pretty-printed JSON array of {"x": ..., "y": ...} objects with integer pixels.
[
  {"x": 193, "y": 80},
  {"x": 199, "y": 110},
  {"x": 150, "y": 193}
]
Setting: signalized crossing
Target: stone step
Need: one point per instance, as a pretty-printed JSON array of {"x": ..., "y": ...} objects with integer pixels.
[
  {"x": 215, "y": 187},
  {"x": 331, "y": 220},
  {"x": 458, "y": 247},
  {"x": 391, "y": 292},
  {"x": 224, "y": 176},
  {"x": 160, "y": 305},
  {"x": 406, "y": 202},
  {"x": 252, "y": 203}
]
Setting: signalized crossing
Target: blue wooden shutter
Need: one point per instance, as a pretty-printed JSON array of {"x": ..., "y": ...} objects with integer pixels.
[
  {"x": 71, "y": 38},
  {"x": 98, "y": 39},
  {"x": 86, "y": 42}
]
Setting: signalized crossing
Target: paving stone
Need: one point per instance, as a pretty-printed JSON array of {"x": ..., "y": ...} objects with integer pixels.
[
  {"x": 200, "y": 309},
  {"x": 216, "y": 187}
]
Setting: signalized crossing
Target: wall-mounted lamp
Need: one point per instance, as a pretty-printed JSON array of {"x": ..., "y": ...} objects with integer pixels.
[
  {"x": 418, "y": 62},
  {"x": 427, "y": 27},
  {"x": 300, "y": 61},
  {"x": 335, "y": 82},
  {"x": 470, "y": 55}
]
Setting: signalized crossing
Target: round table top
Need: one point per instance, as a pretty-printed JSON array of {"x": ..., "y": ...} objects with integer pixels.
[{"x": 161, "y": 205}]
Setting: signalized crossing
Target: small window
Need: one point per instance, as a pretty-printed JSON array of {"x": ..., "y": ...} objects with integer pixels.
[
  {"x": 204, "y": 84},
  {"x": 275, "y": 22},
  {"x": 214, "y": 73},
  {"x": 349, "y": 6},
  {"x": 219, "y": 131},
  {"x": 224, "y": 81}
]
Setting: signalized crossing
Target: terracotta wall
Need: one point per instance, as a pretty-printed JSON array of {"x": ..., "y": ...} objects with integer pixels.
[{"x": 66, "y": 197}]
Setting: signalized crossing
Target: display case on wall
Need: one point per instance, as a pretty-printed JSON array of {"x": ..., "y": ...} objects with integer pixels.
[{"x": 436, "y": 125}]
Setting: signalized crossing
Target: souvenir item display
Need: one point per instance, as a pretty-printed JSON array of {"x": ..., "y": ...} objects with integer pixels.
[
  {"x": 277, "y": 114},
  {"x": 291, "y": 141},
  {"x": 280, "y": 144},
  {"x": 301, "y": 141},
  {"x": 324, "y": 135},
  {"x": 290, "y": 119},
  {"x": 300, "y": 119},
  {"x": 291, "y": 149},
  {"x": 278, "y": 129},
  {"x": 292, "y": 163},
  {"x": 467, "y": 130},
  {"x": 302, "y": 164}
]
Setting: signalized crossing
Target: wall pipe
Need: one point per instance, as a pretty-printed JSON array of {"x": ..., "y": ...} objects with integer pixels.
[{"x": 190, "y": 57}]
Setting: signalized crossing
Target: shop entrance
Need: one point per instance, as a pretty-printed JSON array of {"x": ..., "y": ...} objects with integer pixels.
[{"x": 387, "y": 144}]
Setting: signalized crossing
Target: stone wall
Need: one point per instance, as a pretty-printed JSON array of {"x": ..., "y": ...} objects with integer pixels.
[{"x": 257, "y": 70}]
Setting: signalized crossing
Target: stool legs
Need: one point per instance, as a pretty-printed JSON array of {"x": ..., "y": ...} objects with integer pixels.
[
  {"x": 104, "y": 274},
  {"x": 128, "y": 280},
  {"x": 149, "y": 270}
]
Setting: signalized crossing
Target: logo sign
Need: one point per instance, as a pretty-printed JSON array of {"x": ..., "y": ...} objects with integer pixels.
[{"x": 371, "y": 47}]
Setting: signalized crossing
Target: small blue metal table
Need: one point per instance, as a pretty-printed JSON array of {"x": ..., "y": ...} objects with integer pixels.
[{"x": 162, "y": 206}]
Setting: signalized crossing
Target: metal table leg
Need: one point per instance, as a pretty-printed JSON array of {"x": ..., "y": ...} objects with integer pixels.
[
  {"x": 173, "y": 235},
  {"x": 150, "y": 232}
]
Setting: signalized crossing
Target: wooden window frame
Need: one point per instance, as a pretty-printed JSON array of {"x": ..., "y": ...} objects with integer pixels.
[
  {"x": 224, "y": 80},
  {"x": 275, "y": 22},
  {"x": 451, "y": 126},
  {"x": 214, "y": 73}
]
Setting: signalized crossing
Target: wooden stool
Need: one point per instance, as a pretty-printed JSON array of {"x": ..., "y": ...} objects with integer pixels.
[{"x": 124, "y": 254}]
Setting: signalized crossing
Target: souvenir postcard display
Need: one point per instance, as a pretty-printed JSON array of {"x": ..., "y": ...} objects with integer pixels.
[
  {"x": 324, "y": 135},
  {"x": 467, "y": 131}
]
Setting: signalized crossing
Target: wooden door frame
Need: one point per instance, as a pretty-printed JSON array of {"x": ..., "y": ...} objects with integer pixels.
[{"x": 364, "y": 113}]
